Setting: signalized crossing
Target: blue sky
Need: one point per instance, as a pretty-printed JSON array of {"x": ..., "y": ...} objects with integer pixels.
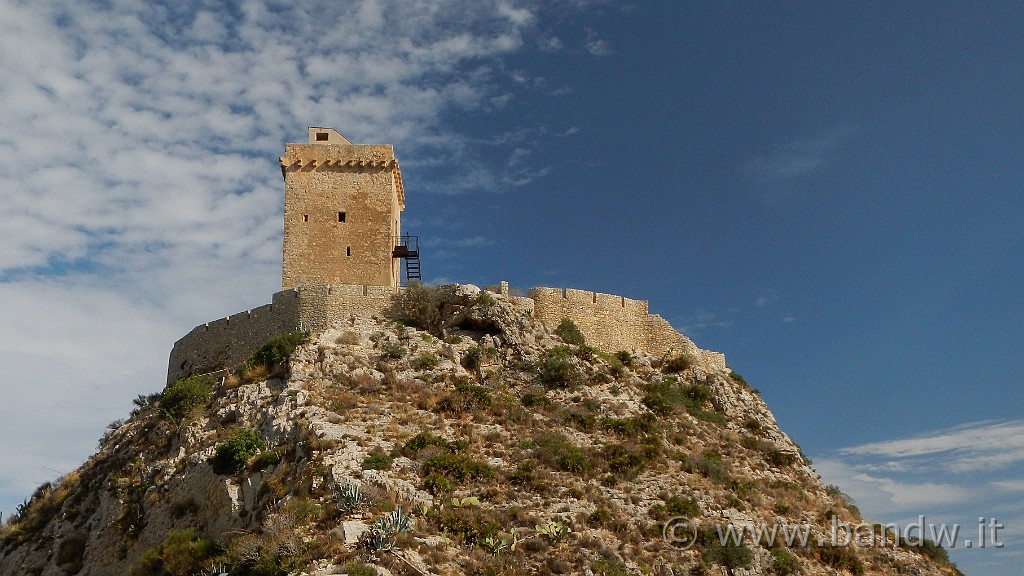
[{"x": 830, "y": 194}]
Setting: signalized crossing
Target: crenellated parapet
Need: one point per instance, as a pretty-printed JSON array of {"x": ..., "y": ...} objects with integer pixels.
[
  {"x": 613, "y": 323},
  {"x": 349, "y": 158}
]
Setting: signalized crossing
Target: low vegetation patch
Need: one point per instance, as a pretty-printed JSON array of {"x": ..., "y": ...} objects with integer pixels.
[
  {"x": 570, "y": 333},
  {"x": 272, "y": 354},
  {"x": 557, "y": 452},
  {"x": 444, "y": 472},
  {"x": 426, "y": 361},
  {"x": 420, "y": 306},
  {"x": 183, "y": 396},
  {"x": 424, "y": 441},
  {"x": 465, "y": 398},
  {"x": 378, "y": 460},
  {"x": 183, "y": 553},
  {"x": 232, "y": 455},
  {"x": 558, "y": 369},
  {"x": 679, "y": 363}
]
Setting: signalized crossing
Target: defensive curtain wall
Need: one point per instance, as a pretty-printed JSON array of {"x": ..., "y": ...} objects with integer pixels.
[
  {"x": 610, "y": 323},
  {"x": 613, "y": 323}
]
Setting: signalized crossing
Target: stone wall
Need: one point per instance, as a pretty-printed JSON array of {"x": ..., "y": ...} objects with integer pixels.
[
  {"x": 228, "y": 342},
  {"x": 612, "y": 323},
  {"x": 322, "y": 306}
]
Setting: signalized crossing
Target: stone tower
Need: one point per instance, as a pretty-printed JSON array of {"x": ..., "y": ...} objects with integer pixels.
[{"x": 342, "y": 212}]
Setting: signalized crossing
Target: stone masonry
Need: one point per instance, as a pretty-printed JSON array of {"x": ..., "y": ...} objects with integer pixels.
[
  {"x": 343, "y": 205},
  {"x": 610, "y": 323},
  {"x": 342, "y": 212},
  {"x": 613, "y": 323}
]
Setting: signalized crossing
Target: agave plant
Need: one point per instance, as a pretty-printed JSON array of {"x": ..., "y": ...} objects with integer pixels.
[
  {"x": 381, "y": 536},
  {"x": 348, "y": 498}
]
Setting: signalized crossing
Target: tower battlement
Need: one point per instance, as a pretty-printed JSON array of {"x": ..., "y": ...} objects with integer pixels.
[{"x": 342, "y": 212}]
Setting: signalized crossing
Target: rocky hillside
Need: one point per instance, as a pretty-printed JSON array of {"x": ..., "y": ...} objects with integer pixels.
[{"x": 474, "y": 443}]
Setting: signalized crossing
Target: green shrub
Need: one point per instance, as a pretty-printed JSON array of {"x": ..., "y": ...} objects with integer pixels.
[
  {"x": 698, "y": 393},
  {"x": 609, "y": 567},
  {"x": 274, "y": 352},
  {"x": 426, "y": 361},
  {"x": 183, "y": 553},
  {"x": 633, "y": 427},
  {"x": 465, "y": 398},
  {"x": 841, "y": 558},
  {"x": 677, "y": 505},
  {"x": 357, "y": 568},
  {"x": 557, "y": 369},
  {"x": 752, "y": 424},
  {"x": 445, "y": 470},
  {"x": 778, "y": 458},
  {"x": 378, "y": 460},
  {"x": 232, "y": 455},
  {"x": 624, "y": 358},
  {"x": 556, "y": 451},
  {"x": 934, "y": 551},
  {"x": 392, "y": 350},
  {"x": 183, "y": 396},
  {"x": 658, "y": 403},
  {"x": 485, "y": 299},
  {"x": 625, "y": 460},
  {"x": 665, "y": 397},
  {"x": 424, "y": 440},
  {"x": 709, "y": 465},
  {"x": 783, "y": 563},
  {"x": 730, "y": 554},
  {"x": 581, "y": 418},
  {"x": 570, "y": 333},
  {"x": 679, "y": 363},
  {"x": 420, "y": 306},
  {"x": 471, "y": 359},
  {"x": 266, "y": 460},
  {"x": 470, "y": 525},
  {"x": 535, "y": 396}
]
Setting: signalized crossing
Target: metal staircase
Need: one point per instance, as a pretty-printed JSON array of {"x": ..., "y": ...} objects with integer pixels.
[{"x": 408, "y": 248}]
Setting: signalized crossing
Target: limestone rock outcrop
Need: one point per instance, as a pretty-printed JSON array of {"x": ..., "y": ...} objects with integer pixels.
[{"x": 492, "y": 446}]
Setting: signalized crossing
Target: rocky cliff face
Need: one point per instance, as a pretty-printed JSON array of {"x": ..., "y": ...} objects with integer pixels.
[{"x": 485, "y": 446}]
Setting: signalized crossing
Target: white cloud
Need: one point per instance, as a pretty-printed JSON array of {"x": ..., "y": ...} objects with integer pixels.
[
  {"x": 796, "y": 160},
  {"x": 139, "y": 182},
  {"x": 967, "y": 448},
  {"x": 551, "y": 44},
  {"x": 471, "y": 242},
  {"x": 766, "y": 297},
  {"x": 946, "y": 476},
  {"x": 701, "y": 320},
  {"x": 1010, "y": 485},
  {"x": 876, "y": 492},
  {"x": 595, "y": 45}
]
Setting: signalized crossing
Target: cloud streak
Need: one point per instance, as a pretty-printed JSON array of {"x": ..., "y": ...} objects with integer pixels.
[
  {"x": 139, "y": 183},
  {"x": 953, "y": 475},
  {"x": 985, "y": 445}
]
